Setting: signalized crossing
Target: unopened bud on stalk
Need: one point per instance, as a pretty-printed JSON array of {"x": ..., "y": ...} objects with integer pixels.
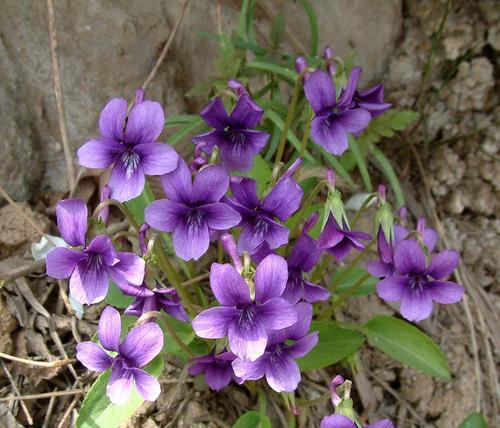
[
  {"x": 105, "y": 195},
  {"x": 142, "y": 239},
  {"x": 384, "y": 219},
  {"x": 300, "y": 64},
  {"x": 237, "y": 87},
  {"x": 139, "y": 96}
]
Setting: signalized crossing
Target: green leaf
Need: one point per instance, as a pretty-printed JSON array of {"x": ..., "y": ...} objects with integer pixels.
[
  {"x": 474, "y": 420},
  {"x": 186, "y": 130},
  {"x": 387, "y": 124},
  {"x": 367, "y": 287},
  {"x": 139, "y": 204},
  {"x": 227, "y": 63},
  {"x": 361, "y": 162},
  {"x": 407, "y": 344},
  {"x": 313, "y": 24},
  {"x": 116, "y": 298},
  {"x": 292, "y": 138},
  {"x": 388, "y": 170},
  {"x": 253, "y": 419},
  {"x": 97, "y": 411},
  {"x": 260, "y": 172},
  {"x": 278, "y": 70},
  {"x": 335, "y": 343}
]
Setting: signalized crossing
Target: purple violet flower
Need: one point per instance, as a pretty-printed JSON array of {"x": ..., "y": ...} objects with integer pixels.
[
  {"x": 89, "y": 268},
  {"x": 129, "y": 144},
  {"x": 278, "y": 363},
  {"x": 233, "y": 134},
  {"x": 340, "y": 421},
  {"x": 334, "y": 119},
  {"x": 258, "y": 224},
  {"x": 192, "y": 209},
  {"x": 247, "y": 317},
  {"x": 417, "y": 285},
  {"x": 153, "y": 300},
  {"x": 385, "y": 265},
  {"x": 138, "y": 348},
  {"x": 217, "y": 368},
  {"x": 372, "y": 100},
  {"x": 304, "y": 256},
  {"x": 339, "y": 241}
]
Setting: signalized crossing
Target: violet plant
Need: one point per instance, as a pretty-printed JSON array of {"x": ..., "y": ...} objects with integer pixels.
[{"x": 238, "y": 266}]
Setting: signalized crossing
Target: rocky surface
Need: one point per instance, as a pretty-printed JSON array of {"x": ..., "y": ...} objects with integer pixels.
[{"x": 106, "y": 49}]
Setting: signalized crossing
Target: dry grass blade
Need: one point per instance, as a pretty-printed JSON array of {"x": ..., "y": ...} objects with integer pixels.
[
  {"x": 14, "y": 387},
  {"x": 165, "y": 49},
  {"x": 70, "y": 168},
  {"x": 45, "y": 395},
  {"x": 45, "y": 364}
]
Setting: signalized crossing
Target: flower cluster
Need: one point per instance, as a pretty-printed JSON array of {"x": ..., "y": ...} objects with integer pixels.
[
  {"x": 408, "y": 277},
  {"x": 336, "y": 117},
  {"x": 259, "y": 308}
]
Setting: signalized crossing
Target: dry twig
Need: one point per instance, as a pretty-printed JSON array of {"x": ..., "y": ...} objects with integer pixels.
[
  {"x": 70, "y": 168},
  {"x": 45, "y": 364},
  {"x": 165, "y": 49},
  {"x": 14, "y": 387}
]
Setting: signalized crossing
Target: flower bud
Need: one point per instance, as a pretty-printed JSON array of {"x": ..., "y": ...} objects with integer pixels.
[
  {"x": 384, "y": 220},
  {"x": 105, "y": 195},
  {"x": 237, "y": 87}
]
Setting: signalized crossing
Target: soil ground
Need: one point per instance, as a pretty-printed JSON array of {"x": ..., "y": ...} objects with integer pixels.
[{"x": 449, "y": 164}]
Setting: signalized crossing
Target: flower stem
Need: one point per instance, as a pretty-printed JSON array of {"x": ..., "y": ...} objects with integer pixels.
[
  {"x": 305, "y": 137},
  {"x": 329, "y": 312},
  {"x": 307, "y": 204},
  {"x": 288, "y": 119},
  {"x": 175, "y": 336},
  {"x": 362, "y": 208},
  {"x": 173, "y": 278},
  {"x": 353, "y": 264},
  {"x": 121, "y": 207}
]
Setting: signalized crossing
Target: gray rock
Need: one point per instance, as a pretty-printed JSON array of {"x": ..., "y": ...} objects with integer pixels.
[{"x": 106, "y": 49}]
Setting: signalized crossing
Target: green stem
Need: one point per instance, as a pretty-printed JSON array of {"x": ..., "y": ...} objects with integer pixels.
[
  {"x": 121, "y": 207},
  {"x": 305, "y": 137},
  {"x": 353, "y": 264},
  {"x": 316, "y": 275},
  {"x": 288, "y": 119},
  {"x": 329, "y": 312},
  {"x": 362, "y": 208},
  {"x": 308, "y": 403},
  {"x": 175, "y": 336},
  {"x": 173, "y": 278},
  {"x": 307, "y": 204}
]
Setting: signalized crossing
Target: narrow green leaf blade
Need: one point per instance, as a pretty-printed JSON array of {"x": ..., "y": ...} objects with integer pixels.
[
  {"x": 335, "y": 343},
  {"x": 407, "y": 344},
  {"x": 361, "y": 163},
  {"x": 278, "y": 70},
  {"x": 313, "y": 24},
  {"x": 187, "y": 129},
  {"x": 98, "y": 411},
  {"x": 295, "y": 142},
  {"x": 253, "y": 419},
  {"x": 388, "y": 170}
]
